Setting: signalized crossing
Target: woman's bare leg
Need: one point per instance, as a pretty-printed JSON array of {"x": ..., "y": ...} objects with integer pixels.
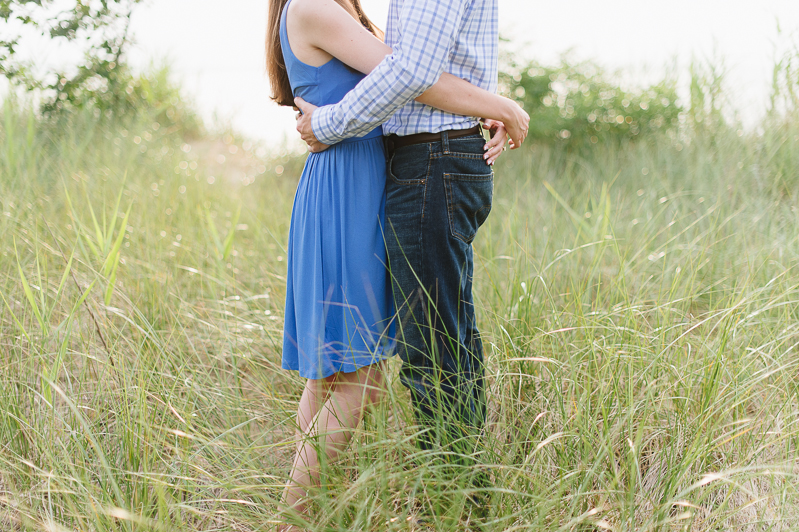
[
  {"x": 314, "y": 395},
  {"x": 333, "y": 426}
]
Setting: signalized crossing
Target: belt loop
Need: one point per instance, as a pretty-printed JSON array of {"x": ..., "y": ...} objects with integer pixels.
[{"x": 445, "y": 142}]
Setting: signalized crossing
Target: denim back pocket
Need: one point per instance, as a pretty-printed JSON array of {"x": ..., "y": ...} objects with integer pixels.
[{"x": 468, "y": 203}]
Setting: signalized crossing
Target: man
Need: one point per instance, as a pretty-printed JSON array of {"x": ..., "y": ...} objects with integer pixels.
[{"x": 438, "y": 193}]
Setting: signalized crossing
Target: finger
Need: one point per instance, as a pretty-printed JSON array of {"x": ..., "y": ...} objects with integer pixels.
[
  {"x": 302, "y": 104},
  {"x": 497, "y": 140},
  {"x": 492, "y": 154},
  {"x": 516, "y": 138}
]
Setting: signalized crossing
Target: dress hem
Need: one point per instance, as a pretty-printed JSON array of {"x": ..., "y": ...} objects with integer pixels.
[{"x": 345, "y": 368}]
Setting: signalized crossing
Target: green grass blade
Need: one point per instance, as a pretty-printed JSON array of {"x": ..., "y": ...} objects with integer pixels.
[
  {"x": 95, "y": 444},
  {"x": 97, "y": 229},
  {"x": 55, "y": 369},
  {"x": 109, "y": 289},
  {"x": 576, "y": 219},
  {"x": 16, "y": 320},
  {"x": 64, "y": 277},
  {"x": 79, "y": 228},
  {"x": 228, "y": 245},
  {"x": 214, "y": 233},
  {"x": 29, "y": 293},
  {"x": 83, "y": 297},
  {"x": 111, "y": 230},
  {"x": 113, "y": 255},
  {"x": 42, "y": 283}
]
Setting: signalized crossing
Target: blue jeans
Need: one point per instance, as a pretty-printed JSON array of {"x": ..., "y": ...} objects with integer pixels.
[{"x": 437, "y": 196}]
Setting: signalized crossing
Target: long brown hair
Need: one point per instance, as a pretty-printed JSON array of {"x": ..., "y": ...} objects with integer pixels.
[{"x": 276, "y": 66}]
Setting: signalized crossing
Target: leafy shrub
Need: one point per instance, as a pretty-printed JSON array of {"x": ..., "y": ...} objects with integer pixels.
[
  {"x": 121, "y": 95},
  {"x": 579, "y": 104},
  {"x": 102, "y": 81}
]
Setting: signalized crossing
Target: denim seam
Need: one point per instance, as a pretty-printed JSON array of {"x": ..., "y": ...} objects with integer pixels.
[
  {"x": 424, "y": 192},
  {"x": 474, "y": 178},
  {"x": 457, "y": 155}
]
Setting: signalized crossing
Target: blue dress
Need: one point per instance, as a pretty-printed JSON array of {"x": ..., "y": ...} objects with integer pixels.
[{"x": 338, "y": 299}]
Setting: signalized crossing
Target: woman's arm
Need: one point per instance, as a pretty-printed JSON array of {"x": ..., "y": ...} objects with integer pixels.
[
  {"x": 328, "y": 27},
  {"x": 458, "y": 96}
]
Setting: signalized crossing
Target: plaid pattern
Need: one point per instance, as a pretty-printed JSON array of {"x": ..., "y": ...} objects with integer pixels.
[{"x": 428, "y": 37}]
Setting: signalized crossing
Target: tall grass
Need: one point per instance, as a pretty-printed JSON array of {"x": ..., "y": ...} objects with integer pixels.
[{"x": 639, "y": 304}]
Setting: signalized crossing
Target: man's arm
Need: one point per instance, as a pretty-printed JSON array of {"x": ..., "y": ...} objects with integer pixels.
[{"x": 429, "y": 30}]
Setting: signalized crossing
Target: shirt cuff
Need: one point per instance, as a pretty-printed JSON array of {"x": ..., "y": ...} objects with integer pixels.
[{"x": 322, "y": 126}]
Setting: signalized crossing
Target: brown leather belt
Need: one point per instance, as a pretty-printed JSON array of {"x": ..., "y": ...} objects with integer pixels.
[{"x": 395, "y": 141}]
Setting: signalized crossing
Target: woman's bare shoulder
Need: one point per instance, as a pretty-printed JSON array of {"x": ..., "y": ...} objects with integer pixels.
[{"x": 313, "y": 11}]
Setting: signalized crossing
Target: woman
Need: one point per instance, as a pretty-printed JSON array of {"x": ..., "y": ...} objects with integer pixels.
[{"x": 338, "y": 301}]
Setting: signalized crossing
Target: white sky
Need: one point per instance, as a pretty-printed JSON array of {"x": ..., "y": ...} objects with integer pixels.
[{"x": 216, "y": 47}]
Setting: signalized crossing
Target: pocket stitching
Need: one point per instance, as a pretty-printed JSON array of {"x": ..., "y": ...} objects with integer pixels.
[
  {"x": 458, "y": 155},
  {"x": 470, "y": 177},
  {"x": 398, "y": 181},
  {"x": 450, "y": 202}
]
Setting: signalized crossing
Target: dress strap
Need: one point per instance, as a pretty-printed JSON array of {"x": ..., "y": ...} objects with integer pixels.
[{"x": 284, "y": 33}]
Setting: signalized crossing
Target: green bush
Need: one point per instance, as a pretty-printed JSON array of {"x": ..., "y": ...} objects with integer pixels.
[
  {"x": 102, "y": 82},
  {"x": 119, "y": 95},
  {"x": 580, "y": 104}
]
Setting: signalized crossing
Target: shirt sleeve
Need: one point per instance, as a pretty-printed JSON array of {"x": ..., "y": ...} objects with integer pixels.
[{"x": 429, "y": 29}]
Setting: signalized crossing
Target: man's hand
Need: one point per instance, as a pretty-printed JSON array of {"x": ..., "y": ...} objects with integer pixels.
[
  {"x": 494, "y": 147},
  {"x": 305, "y": 128}
]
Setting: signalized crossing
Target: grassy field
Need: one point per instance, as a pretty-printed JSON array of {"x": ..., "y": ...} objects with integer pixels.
[{"x": 639, "y": 305}]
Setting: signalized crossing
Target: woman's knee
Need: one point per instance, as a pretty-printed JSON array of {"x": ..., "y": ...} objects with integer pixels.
[
  {"x": 320, "y": 387},
  {"x": 374, "y": 384}
]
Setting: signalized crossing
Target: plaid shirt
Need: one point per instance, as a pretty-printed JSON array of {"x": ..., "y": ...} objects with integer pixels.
[{"x": 427, "y": 37}]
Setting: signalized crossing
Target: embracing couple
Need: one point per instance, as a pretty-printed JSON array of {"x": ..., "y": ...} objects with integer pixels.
[{"x": 380, "y": 256}]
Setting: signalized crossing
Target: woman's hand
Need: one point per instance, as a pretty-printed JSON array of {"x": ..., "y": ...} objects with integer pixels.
[
  {"x": 516, "y": 122},
  {"x": 495, "y": 146}
]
